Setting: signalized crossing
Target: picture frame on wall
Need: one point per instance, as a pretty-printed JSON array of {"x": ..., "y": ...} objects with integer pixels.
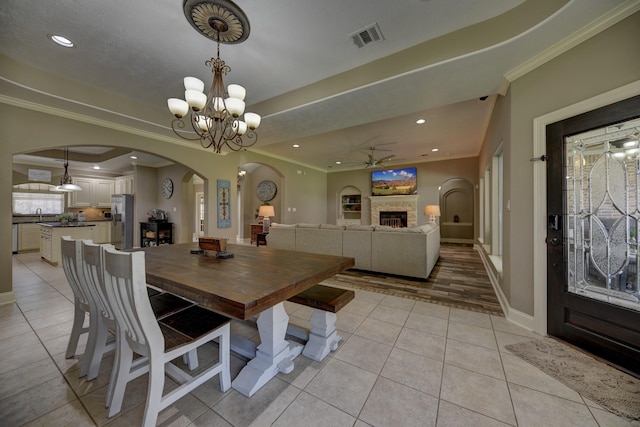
[{"x": 224, "y": 203}]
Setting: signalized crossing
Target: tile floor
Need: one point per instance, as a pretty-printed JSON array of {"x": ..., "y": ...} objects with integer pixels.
[{"x": 401, "y": 363}]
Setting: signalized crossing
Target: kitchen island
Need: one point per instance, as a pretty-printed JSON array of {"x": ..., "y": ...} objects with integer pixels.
[{"x": 51, "y": 234}]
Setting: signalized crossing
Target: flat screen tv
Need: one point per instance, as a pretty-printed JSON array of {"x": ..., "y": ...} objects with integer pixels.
[{"x": 394, "y": 182}]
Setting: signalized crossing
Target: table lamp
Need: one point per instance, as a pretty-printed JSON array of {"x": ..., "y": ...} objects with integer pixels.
[
  {"x": 432, "y": 211},
  {"x": 265, "y": 212}
]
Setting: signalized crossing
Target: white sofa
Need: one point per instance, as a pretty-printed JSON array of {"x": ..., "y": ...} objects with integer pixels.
[{"x": 409, "y": 252}]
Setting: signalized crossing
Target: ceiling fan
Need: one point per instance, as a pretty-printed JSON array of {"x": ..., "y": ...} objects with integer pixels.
[{"x": 373, "y": 162}]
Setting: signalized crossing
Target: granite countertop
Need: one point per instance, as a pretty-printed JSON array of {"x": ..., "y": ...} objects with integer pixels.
[
  {"x": 18, "y": 220},
  {"x": 71, "y": 224}
]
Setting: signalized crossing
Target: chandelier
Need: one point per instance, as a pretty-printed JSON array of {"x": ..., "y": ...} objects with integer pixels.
[
  {"x": 217, "y": 118},
  {"x": 66, "y": 183}
]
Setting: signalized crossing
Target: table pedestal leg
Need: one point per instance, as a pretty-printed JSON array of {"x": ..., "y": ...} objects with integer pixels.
[{"x": 273, "y": 355}]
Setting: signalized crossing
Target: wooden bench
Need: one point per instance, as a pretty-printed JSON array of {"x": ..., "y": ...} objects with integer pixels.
[{"x": 326, "y": 302}]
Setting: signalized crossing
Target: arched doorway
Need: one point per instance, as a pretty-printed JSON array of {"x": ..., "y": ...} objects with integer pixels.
[
  {"x": 457, "y": 211},
  {"x": 248, "y": 200}
]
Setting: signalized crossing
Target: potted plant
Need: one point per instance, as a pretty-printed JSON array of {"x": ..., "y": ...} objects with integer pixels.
[{"x": 64, "y": 218}]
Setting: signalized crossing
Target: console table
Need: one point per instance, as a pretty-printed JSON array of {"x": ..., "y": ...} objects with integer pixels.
[
  {"x": 156, "y": 233},
  {"x": 255, "y": 229}
]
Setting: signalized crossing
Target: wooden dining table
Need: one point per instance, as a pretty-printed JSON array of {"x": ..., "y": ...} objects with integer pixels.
[{"x": 254, "y": 282}]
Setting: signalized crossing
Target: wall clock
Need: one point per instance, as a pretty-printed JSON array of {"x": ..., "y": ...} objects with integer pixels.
[
  {"x": 266, "y": 190},
  {"x": 167, "y": 188}
]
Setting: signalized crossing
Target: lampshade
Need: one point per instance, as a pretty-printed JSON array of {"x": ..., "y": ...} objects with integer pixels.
[
  {"x": 432, "y": 210},
  {"x": 266, "y": 211}
]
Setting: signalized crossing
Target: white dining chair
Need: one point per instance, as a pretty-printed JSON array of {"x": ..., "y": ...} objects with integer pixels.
[
  {"x": 104, "y": 341},
  {"x": 139, "y": 332},
  {"x": 71, "y": 257},
  {"x": 100, "y": 340}
]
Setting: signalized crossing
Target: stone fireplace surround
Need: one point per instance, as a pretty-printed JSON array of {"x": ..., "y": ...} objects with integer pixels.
[{"x": 395, "y": 203}]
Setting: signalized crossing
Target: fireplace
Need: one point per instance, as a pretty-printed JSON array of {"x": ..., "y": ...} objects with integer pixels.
[
  {"x": 395, "y": 204},
  {"x": 393, "y": 218}
]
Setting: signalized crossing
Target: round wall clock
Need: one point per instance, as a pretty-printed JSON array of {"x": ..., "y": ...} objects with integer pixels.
[
  {"x": 167, "y": 188},
  {"x": 266, "y": 190}
]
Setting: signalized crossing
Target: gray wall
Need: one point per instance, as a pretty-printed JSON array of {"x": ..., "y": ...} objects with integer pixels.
[
  {"x": 430, "y": 176},
  {"x": 604, "y": 62}
]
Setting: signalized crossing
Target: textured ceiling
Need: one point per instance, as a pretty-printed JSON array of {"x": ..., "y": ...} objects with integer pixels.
[{"x": 302, "y": 72}]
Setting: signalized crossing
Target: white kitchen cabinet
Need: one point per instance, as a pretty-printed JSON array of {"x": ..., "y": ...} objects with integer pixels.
[
  {"x": 50, "y": 238},
  {"x": 28, "y": 237},
  {"x": 124, "y": 185},
  {"x": 101, "y": 232},
  {"x": 95, "y": 193}
]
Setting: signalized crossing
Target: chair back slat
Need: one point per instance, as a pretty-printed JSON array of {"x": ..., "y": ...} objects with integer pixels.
[
  {"x": 93, "y": 270},
  {"x": 126, "y": 289},
  {"x": 71, "y": 254}
]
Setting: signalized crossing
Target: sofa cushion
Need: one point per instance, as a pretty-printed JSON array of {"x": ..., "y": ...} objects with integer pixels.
[
  {"x": 358, "y": 227},
  {"x": 306, "y": 225},
  {"x": 332, "y": 227},
  {"x": 318, "y": 241},
  {"x": 385, "y": 228},
  {"x": 284, "y": 225},
  {"x": 425, "y": 228},
  {"x": 410, "y": 230}
]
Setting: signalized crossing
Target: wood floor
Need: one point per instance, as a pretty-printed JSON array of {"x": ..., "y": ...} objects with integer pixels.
[{"x": 459, "y": 280}]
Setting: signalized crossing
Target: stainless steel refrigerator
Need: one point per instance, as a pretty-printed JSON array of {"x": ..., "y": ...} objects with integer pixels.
[{"x": 122, "y": 221}]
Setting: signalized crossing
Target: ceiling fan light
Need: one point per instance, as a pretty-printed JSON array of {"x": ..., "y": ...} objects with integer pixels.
[
  {"x": 178, "y": 107},
  {"x": 235, "y": 106},
  {"x": 252, "y": 120},
  {"x": 192, "y": 83},
  {"x": 236, "y": 91},
  {"x": 195, "y": 99}
]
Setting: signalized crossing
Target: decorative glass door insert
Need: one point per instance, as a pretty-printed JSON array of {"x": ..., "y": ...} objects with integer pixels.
[{"x": 603, "y": 214}]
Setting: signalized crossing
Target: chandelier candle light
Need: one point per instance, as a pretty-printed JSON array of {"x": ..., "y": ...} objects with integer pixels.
[{"x": 215, "y": 117}]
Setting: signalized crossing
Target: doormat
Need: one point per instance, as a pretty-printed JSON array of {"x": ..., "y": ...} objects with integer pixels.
[{"x": 615, "y": 390}]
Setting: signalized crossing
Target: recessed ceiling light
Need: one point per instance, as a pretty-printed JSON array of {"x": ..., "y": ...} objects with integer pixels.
[
  {"x": 296, "y": 145},
  {"x": 133, "y": 157},
  {"x": 96, "y": 167},
  {"x": 61, "y": 40},
  {"x": 434, "y": 149},
  {"x": 338, "y": 162},
  {"x": 421, "y": 121}
]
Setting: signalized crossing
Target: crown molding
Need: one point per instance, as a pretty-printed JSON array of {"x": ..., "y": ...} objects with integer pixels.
[
  {"x": 609, "y": 19},
  {"x": 95, "y": 121}
]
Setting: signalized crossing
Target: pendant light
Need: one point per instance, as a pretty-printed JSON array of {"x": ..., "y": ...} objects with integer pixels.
[{"x": 66, "y": 183}]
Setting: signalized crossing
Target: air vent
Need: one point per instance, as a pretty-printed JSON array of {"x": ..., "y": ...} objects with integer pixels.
[{"x": 367, "y": 36}]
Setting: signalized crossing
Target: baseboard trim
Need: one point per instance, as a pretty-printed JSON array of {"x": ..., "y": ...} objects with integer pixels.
[
  {"x": 7, "y": 298},
  {"x": 517, "y": 317},
  {"x": 466, "y": 241}
]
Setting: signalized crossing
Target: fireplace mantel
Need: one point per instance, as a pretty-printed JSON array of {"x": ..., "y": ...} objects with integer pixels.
[{"x": 395, "y": 203}]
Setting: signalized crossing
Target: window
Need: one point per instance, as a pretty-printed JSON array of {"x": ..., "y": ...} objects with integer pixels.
[{"x": 28, "y": 203}]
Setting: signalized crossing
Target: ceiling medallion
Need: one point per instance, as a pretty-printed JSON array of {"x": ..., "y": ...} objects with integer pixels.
[{"x": 219, "y": 20}]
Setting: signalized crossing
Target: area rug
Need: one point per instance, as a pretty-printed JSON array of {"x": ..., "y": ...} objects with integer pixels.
[{"x": 615, "y": 390}]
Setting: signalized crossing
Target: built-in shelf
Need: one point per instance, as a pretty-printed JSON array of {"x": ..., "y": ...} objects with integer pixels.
[{"x": 350, "y": 207}]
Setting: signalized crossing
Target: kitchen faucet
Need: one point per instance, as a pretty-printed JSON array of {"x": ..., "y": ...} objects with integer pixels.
[{"x": 39, "y": 212}]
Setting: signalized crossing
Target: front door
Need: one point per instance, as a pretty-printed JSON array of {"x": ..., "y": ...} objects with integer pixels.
[{"x": 593, "y": 207}]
